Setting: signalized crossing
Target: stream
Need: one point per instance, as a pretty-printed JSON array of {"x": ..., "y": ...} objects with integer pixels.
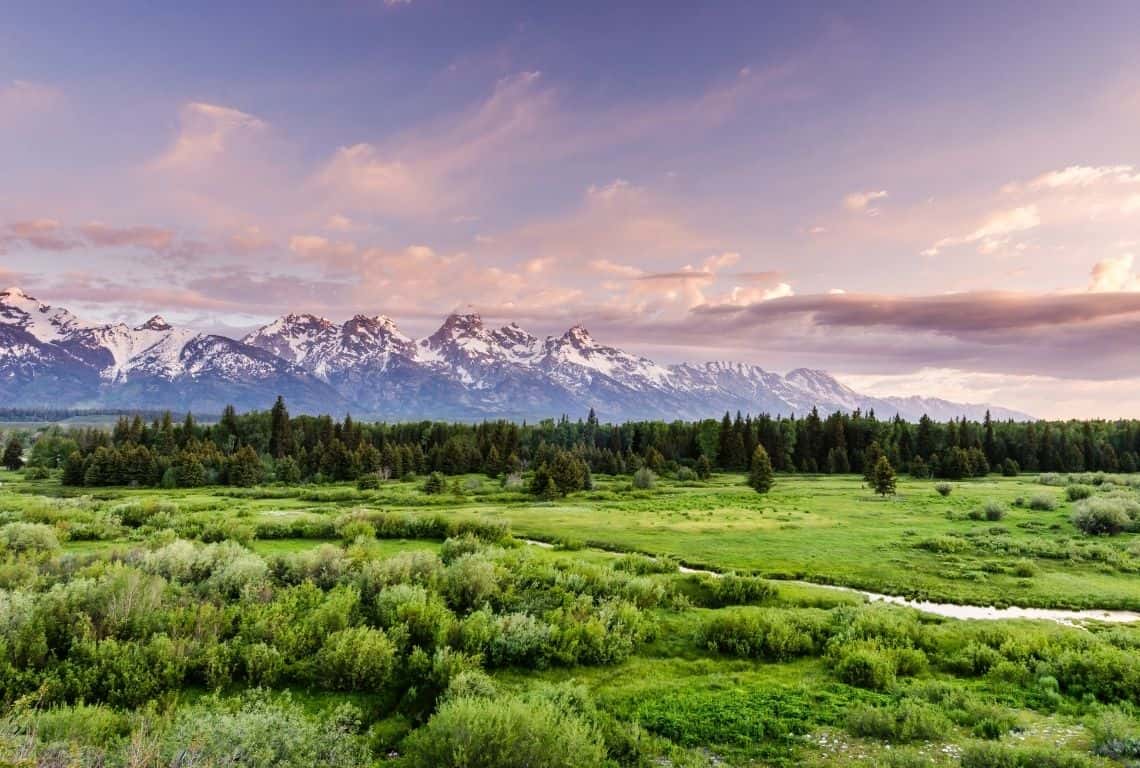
[{"x": 949, "y": 610}]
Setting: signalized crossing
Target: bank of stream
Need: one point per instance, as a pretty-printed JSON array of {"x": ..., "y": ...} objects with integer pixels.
[{"x": 948, "y": 610}]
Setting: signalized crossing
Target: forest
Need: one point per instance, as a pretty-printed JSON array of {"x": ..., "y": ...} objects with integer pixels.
[{"x": 251, "y": 448}]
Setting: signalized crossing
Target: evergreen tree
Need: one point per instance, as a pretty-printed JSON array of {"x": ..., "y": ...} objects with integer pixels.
[
  {"x": 703, "y": 467},
  {"x": 837, "y": 461},
  {"x": 13, "y": 454},
  {"x": 245, "y": 468},
  {"x": 73, "y": 469},
  {"x": 761, "y": 476},
  {"x": 871, "y": 455},
  {"x": 280, "y": 430},
  {"x": 884, "y": 477}
]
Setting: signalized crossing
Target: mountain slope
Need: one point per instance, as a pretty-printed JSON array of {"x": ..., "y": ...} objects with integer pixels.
[{"x": 464, "y": 370}]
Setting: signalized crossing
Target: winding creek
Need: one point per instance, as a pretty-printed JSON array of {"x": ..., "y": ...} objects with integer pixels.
[{"x": 949, "y": 610}]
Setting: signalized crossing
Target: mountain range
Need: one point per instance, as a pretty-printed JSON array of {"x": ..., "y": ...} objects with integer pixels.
[{"x": 50, "y": 358}]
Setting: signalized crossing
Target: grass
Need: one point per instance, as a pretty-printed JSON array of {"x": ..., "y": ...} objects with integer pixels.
[
  {"x": 829, "y": 529},
  {"x": 695, "y": 707}
]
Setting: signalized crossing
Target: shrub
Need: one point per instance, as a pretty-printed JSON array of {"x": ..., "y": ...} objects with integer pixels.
[
  {"x": 644, "y": 479},
  {"x": 908, "y": 721},
  {"x": 1076, "y": 492},
  {"x": 1101, "y": 517},
  {"x": 731, "y": 589},
  {"x": 368, "y": 482},
  {"x": 1002, "y": 756},
  {"x": 775, "y": 635},
  {"x": 435, "y": 484},
  {"x": 943, "y": 489},
  {"x": 37, "y": 473},
  {"x": 456, "y": 546},
  {"x": 1116, "y": 736},
  {"x": 477, "y": 732},
  {"x": 470, "y": 582},
  {"x": 686, "y": 475},
  {"x": 1024, "y": 569},
  {"x": 1043, "y": 502},
  {"x": 994, "y": 510},
  {"x": 868, "y": 668},
  {"x": 259, "y": 734},
  {"x": 29, "y": 537},
  {"x": 643, "y": 565},
  {"x": 357, "y": 659},
  {"x": 422, "y": 614},
  {"x": 1010, "y": 468}
]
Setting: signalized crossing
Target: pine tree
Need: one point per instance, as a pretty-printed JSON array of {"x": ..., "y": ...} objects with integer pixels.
[
  {"x": 13, "y": 454},
  {"x": 704, "y": 467},
  {"x": 761, "y": 476},
  {"x": 883, "y": 477},
  {"x": 73, "y": 469},
  {"x": 245, "y": 468},
  {"x": 280, "y": 430},
  {"x": 871, "y": 456}
]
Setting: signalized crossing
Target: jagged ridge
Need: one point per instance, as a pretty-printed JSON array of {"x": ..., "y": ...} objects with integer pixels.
[{"x": 464, "y": 370}]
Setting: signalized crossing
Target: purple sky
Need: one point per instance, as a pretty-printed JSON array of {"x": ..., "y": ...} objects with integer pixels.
[{"x": 937, "y": 199}]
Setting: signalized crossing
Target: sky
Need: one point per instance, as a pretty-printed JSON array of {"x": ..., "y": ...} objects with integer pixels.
[{"x": 933, "y": 199}]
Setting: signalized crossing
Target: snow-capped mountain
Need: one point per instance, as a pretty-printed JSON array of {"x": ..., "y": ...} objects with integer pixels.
[
  {"x": 465, "y": 370},
  {"x": 48, "y": 356}
]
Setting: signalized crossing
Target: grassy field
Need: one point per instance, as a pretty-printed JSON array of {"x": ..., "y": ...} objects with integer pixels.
[
  {"x": 774, "y": 674},
  {"x": 829, "y": 529}
]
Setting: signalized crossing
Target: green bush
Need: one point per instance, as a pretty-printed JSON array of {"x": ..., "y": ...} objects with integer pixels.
[
  {"x": 776, "y": 635},
  {"x": 368, "y": 482},
  {"x": 943, "y": 489},
  {"x": 994, "y": 510},
  {"x": 903, "y": 722},
  {"x": 1101, "y": 517},
  {"x": 435, "y": 484},
  {"x": 731, "y": 589},
  {"x": 511, "y": 732},
  {"x": 868, "y": 668},
  {"x": 1002, "y": 756},
  {"x": 29, "y": 537},
  {"x": 260, "y": 734},
  {"x": 1076, "y": 492},
  {"x": 1043, "y": 502},
  {"x": 1116, "y": 736},
  {"x": 644, "y": 479},
  {"x": 357, "y": 659}
]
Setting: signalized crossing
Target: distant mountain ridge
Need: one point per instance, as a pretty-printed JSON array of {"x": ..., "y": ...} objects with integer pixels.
[{"x": 366, "y": 365}]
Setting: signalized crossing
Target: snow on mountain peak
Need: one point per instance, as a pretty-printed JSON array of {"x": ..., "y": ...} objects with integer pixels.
[
  {"x": 15, "y": 293},
  {"x": 155, "y": 323},
  {"x": 456, "y": 324},
  {"x": 579, "y": 337}
]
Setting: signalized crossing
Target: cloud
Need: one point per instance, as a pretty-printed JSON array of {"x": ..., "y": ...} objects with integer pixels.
[
  {"x": 1085, "y": 176},
  {"x": 102, "y": 236},
  {"x": 434, "y": 168},
  {"x": 317, "y": 248},
  {"x": 861, "y": 201},
  {"x": 993, "y": 232},
  {"x": 1114, "y": 274},
  {"x": 42, "y": 234},
  {"x": 249, "y": 240},
  {"x": 206, "y": 132},
  {"x": 338, "y": 223}
]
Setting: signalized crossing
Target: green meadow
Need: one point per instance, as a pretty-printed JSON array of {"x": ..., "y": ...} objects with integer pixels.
[{"x": 323, "y": 624}]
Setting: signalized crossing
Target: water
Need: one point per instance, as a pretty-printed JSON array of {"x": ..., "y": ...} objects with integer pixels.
[{"x": 956, "y": 610}]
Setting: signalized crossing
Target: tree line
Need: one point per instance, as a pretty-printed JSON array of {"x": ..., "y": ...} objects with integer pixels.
[{"x": 264, "y": 446}]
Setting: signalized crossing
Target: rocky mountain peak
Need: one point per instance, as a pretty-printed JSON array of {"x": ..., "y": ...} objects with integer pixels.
[{"x": 156, "y": 323}]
